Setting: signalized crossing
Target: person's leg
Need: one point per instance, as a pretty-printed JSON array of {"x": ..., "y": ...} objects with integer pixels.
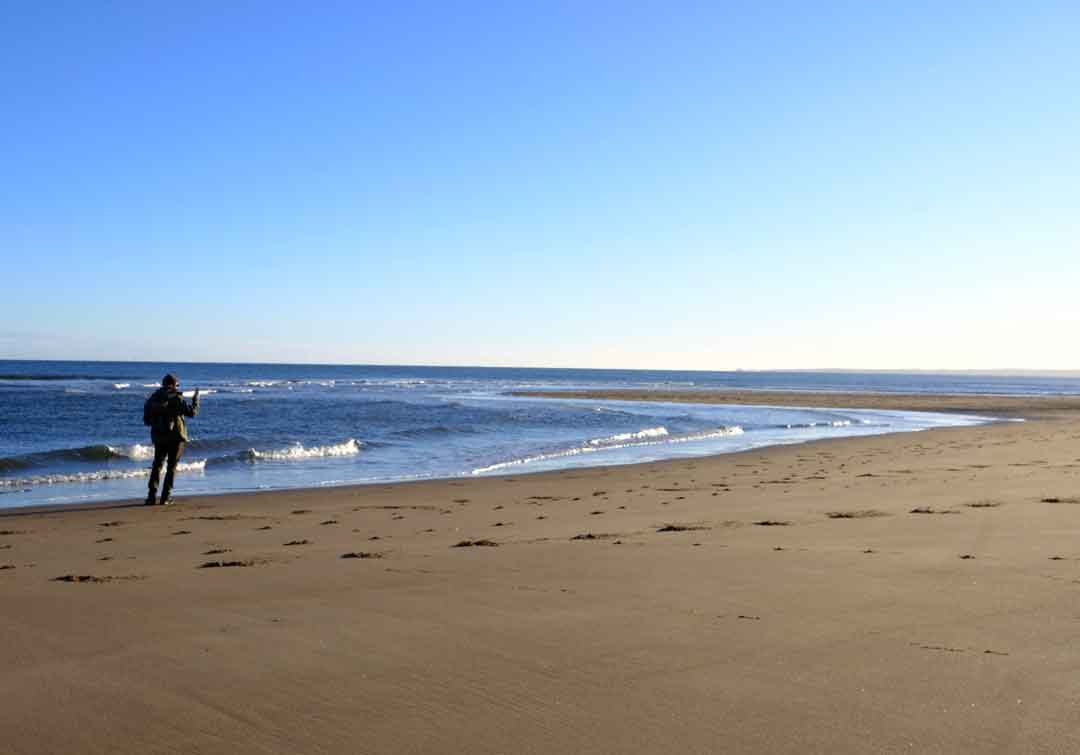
[
  {"x": 160, "y": 452},
  {"x": 175, "y": 452}
]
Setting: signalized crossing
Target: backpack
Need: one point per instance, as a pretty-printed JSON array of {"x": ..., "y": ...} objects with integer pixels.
[{"x": 155, "y": 412}]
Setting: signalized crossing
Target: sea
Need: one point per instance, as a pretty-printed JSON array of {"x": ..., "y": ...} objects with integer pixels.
[{"x": 72, "y": 432}]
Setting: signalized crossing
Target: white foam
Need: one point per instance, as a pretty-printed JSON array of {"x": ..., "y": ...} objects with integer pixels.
[
  {"x": 102, "y": 474},
  {"x": 833, "y": 423},
  {"x": 295, "y": 452},
  {"x": 121, "y": 386},
  {"x": 651, "y": 432},
  {"x": 134, "y": 451},
  {"x": 648, "y": 441}
]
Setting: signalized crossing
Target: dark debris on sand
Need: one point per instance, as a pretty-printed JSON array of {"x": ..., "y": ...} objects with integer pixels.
[
  {"x": 91, "y": 578},
  {"x": 475, "y": 544},
  {"x": 361, "y": 554},
  {"x": 222, "y": 564},
  {"x": 682, "y": 528}
]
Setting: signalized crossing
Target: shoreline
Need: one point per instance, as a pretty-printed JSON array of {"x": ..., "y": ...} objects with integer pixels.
[
  {"x": 907, "y": 402},
  {"x": 887, "y": 593},
  {"x": 350, "y": 488}
]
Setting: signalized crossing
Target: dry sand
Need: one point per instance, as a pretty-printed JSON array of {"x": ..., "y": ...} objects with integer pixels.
[{"x": 781, "y": 600}]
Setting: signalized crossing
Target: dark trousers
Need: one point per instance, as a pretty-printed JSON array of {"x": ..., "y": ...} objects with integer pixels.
[{"x": 165, "y": 452}]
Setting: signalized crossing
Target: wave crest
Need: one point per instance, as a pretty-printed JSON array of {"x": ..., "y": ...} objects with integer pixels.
[
  {"x": 295, "y": 452},
  {"x": 651, "y": 432}
]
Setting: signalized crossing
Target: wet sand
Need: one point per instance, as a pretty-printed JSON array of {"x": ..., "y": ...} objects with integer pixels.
[{"x": 904, "y": 593}]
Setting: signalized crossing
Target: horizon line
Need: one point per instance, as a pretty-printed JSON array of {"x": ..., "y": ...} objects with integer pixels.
[{"x": 1002, "y": 371}]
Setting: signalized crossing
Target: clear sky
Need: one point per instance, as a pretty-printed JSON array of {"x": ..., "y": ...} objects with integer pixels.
[{"x": 597, "y": 184}]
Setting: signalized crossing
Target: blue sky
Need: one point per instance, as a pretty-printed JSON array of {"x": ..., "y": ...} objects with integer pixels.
[{"x": 593, "y": 184}]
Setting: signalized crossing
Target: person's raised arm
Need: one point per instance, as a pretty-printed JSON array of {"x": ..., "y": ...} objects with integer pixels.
[{"x": 190, "y": 410}]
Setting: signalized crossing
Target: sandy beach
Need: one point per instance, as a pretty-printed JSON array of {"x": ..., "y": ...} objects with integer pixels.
[{"x": 901, "y": 593}]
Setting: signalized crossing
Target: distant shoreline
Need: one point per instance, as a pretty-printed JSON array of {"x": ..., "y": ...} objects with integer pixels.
[{"x": 1028, "y": 407}]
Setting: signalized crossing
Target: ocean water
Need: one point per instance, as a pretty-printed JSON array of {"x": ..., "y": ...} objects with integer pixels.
[{"x": 73, "y": 432}]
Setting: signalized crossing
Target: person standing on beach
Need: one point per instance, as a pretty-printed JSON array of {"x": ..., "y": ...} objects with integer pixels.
[{"x": 164, "y": 412}]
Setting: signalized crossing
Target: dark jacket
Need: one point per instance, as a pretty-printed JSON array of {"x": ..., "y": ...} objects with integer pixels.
[{"x": 169, "y": 410}]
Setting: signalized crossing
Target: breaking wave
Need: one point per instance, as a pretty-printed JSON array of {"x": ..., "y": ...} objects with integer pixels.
[
  {"x": 84, "y": 453},
  {"x": 96, "y": 476},
  {"x": 652, "y": 432},
  {"x": 627, "y": 440},
  {"x": 296, "y": 452},
  {"x": 135, "y": 451}
]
